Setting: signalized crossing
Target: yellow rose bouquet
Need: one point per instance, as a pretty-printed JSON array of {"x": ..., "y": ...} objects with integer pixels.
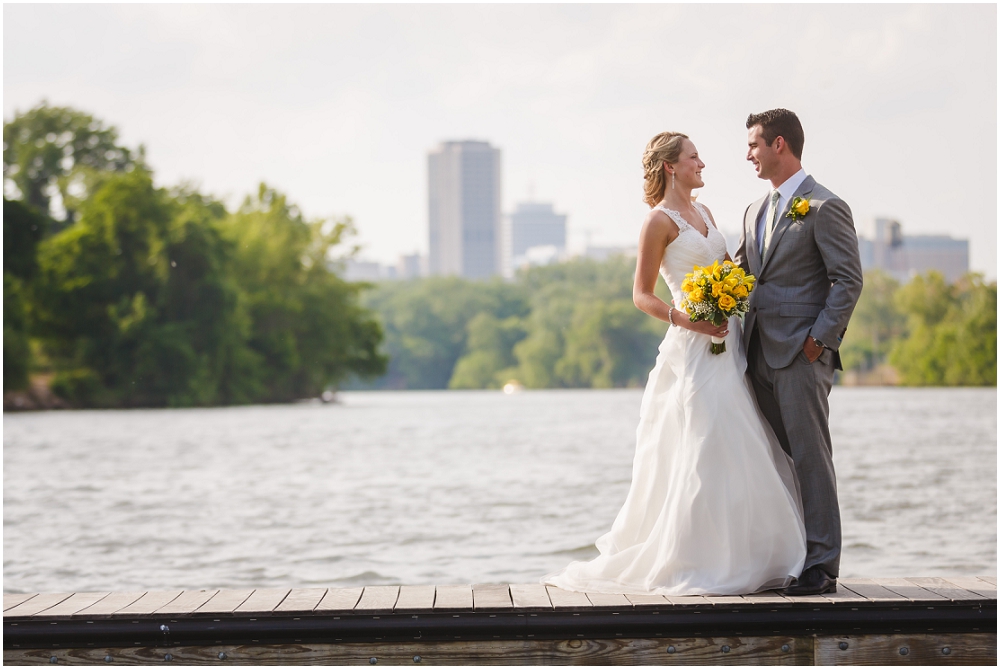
[{"x": 715, "y": 293}]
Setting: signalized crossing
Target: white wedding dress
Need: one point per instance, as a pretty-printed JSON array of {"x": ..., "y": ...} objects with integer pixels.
[{"x": 714, "y": 506}]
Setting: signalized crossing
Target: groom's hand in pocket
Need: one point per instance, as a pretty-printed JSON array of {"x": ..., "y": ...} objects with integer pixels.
[{"x": 812, "y": 350}]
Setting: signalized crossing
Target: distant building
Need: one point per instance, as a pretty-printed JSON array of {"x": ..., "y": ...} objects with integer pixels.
[
  {"x": 410, "y": 266},
  {"x": 533, "y": 225},
  {"x": 463, "y": 183},
  {"x": 602, "y": 253},
  {"x": 905, "y": 256},
  {"x": 352, "y": 269}
]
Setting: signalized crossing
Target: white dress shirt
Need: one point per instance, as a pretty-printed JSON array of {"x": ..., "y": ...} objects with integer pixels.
[{"x": 785, "y": 193}]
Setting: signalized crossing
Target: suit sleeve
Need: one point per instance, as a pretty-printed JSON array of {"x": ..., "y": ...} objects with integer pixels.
[
  {"x": 837, "y": 242},
  {"x": 741, "y": 251}
]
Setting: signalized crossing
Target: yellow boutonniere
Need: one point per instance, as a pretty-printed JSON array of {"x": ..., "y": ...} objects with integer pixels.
[{"x": 798, "y": 209}]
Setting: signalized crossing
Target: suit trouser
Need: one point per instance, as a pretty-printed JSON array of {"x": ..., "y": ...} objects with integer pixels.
[{"x": 795, "y": 401}]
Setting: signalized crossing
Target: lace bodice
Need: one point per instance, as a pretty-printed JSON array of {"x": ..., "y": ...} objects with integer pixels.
[{"x": 690, "y": 248}]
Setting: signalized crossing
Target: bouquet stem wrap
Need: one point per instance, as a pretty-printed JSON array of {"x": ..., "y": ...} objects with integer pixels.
[{"x": 715, "y": 293}]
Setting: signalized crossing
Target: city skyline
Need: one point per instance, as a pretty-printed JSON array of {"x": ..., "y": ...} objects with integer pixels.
[{"x": 338, "y": 106}]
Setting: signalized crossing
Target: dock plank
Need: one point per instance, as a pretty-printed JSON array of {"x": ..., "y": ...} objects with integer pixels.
[
  {"x": 339, "y": 599},
  {"x": 414, "y": 598},
  {"x": 301, "y": 600},
  {"x": 723, "y": 600},
  {"x": 601, "y": 599},
  {"x": 10, "y": 600},
  {"x": 77, "y": 602},
  {"x": 188, "y": 602},
  {"x": 845, "y": 594},
  {"x": 149, "y": 603},
  {"x": 688, "y": 600},
  {"x": 457, "y": 597},
  {"x": 567, "y": 599},
  {"x": 990, "y": 579},
  {"x": 224, "y": 602},
  {"x": 262, "y": 602},
  {"x": 976, "y": 585},
  {"x": 871, "y": 590},
  {"x": 530, "y": 596},
  {"x": 491, "y": 596},
  {"x": 911, "y": 591},
  {"x": 921, "y": 649},
  {"x": 111, "y": 604},
  {"x": 940, "y": 586},
  {"x": 766, "y": 598},
  {"x": 378, "y": 598},
  {"x": 648, "y": 600},
  {"x": 37, "y": 604},
  {"x": 504, "y": 652}
]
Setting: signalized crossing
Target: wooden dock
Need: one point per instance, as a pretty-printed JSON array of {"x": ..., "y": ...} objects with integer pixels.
[{"x": 867, "y": 621}]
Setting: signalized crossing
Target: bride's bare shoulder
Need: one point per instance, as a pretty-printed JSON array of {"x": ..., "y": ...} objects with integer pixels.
[{"x": 659, "y": 221}]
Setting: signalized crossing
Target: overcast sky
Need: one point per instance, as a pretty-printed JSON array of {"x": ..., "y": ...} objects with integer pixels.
[{"x": 337, "y": 105}]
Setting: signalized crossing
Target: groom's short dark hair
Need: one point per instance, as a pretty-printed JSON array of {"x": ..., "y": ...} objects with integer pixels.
[{"x": 776, "y": 123}]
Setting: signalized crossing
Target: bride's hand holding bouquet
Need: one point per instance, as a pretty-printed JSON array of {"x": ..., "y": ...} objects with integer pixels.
[{"x": 715, "y": 293}]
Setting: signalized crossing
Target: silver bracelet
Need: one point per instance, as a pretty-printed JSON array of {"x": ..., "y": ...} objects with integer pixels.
[{"x": 670, "y": 315}]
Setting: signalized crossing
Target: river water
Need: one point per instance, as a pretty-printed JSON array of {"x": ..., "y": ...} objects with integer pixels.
[{"x": 440, "y": 487}]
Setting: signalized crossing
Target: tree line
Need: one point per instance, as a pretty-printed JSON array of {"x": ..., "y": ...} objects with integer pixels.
[
  {"x": 573, "y": 325},
  {"x": 930, "y": 332},
  {"x": 570, "y": 325},
  {"x": 129, "y": 294}
]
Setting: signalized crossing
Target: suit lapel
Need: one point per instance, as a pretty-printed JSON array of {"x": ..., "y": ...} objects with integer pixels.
[
  {"x": 753, "y": 252},
  {"x": 784, "y": 221}
]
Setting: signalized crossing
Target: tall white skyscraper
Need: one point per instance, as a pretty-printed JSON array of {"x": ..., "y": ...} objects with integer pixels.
[{"x": 463, "y": 183}]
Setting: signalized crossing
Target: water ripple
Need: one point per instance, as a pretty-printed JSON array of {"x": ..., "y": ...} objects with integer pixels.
[{"x": 435, "y": 487}]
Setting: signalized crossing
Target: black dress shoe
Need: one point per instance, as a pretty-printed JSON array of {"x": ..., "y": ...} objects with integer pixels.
[{"x": 813, "y": 581}]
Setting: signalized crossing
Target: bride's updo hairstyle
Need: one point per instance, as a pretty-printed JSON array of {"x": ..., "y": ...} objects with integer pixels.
[{"x": 665, "y": 147}]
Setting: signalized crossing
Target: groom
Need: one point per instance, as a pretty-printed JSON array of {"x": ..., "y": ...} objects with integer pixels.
[{"x": 800, "y": 243}]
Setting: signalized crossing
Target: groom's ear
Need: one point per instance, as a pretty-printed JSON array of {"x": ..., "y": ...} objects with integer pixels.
[{"x": 779, "y": 144}]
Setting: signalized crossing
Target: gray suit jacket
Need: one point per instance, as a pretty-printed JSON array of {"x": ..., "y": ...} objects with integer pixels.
[{"x": 810, "y": 279}]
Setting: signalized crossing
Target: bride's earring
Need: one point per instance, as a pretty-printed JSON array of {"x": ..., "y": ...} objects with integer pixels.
[{"x": 673, "y": 180}]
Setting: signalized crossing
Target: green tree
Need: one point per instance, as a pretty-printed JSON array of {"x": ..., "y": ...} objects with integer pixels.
[
  {"x": 571, "y": 324},
  {"x": 23, "y": 228},
  {"x": 489, "y": 356},
  {"x": 877, "y": 322},
  {"x": 305, "y": 323},
  {"x": 128, "y": 297},
  {"x": 49, "y": 150},
  {"x": 610, "y": 344},
  {"x": 951, "y": 338},
  {"x": 583, "y": 329},
  {"x": 552, "y": 309},
  {"x": 426, "y": 324}
]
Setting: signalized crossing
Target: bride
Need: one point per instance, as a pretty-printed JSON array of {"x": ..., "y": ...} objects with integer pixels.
[{"x": 714, "y": 506}]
